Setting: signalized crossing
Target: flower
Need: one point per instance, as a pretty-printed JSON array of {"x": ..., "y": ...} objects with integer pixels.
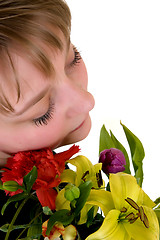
[
  {"x": 85, "y": 171},
  {"x": 128, "y": 211},
  {"x": 49, "y": 168},
  {"x": 112, "y": 160},
  {"x": 68, "y": 233}
]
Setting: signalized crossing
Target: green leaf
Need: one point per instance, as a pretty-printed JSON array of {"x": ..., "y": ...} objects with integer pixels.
[
  {"x": 64, "y": 216},
  {"x": 85, "y": 189},
  {"x": 30, "y": 179},
  {"x": 34, "y": 231},
  {"x": 119, "y": 146},
  {"x": 5, "y": 227},
  {"x": 1, "y": 185},
  {"x": 14, "y": 198},
  {"x": 137, "y": 153},
  {"x": 90, "y": 217},
  {"x": 105, "y": 141},
  {"x": 157, "y": 201}
]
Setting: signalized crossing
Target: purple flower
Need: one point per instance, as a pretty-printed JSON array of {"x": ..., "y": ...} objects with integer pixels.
[{"x": 112, "y": 160}]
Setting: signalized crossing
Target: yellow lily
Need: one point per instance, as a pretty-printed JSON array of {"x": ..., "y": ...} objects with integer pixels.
[
  {"x": 85, "y": 171},
  {"x": 127, "y": 209}
]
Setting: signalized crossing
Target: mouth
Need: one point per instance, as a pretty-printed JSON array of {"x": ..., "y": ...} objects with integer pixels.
[{"x": 78, "y": 127}]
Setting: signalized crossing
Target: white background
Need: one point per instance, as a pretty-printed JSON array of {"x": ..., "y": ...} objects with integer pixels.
[{"x": 120, "y": 44}]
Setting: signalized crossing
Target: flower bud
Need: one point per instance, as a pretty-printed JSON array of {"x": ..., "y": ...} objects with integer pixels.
[
  {"x": 112, "y": 160},
  {"x": 11, "y": 186},
  {"x": 71, "y": 192}
]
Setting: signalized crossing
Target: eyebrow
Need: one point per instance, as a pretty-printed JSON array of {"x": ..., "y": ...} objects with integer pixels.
[{"x": 33, "y": 101}]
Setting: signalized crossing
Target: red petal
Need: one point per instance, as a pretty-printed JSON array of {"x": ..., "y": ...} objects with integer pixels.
[
  {"x": 47, "y": 197},
  {"x": 62, "y": 157}
]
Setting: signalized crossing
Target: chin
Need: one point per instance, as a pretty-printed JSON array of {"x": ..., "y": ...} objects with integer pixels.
[{"x": 79, "y": 134}]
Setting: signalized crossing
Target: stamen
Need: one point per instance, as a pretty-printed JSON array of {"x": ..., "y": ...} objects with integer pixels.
[
  {"x": 146, "y": 222},
  {"x": 132, "y": 203},
  {"x": 123, "y": 210},
  {"x": 130, "y": 216},
  {"x": 84, "y": 175},
  {"x": 99, "y": 179},
  {"x": 141, "y": 213},
  {"x": 133, "y": 220}
]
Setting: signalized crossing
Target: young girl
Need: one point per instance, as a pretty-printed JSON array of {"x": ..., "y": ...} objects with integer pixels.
[
  {"x": 44, "y": 100},
  {"x": 43, "y": 80}
]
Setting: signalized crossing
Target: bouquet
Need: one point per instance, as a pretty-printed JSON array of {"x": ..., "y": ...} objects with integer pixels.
[{"x": 70, "y": 199}]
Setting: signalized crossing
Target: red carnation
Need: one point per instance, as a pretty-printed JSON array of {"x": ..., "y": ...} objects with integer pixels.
[{"x": 49, "y": 167}]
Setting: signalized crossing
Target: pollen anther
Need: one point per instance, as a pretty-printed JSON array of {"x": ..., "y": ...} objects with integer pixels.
[{"x": 141, "y": 214}]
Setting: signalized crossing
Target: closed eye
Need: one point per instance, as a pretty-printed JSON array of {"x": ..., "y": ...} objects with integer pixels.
[{"x": 43, "y": 120}]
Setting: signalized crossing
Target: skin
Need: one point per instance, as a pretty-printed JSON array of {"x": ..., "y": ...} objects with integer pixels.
[{"x": 65, "y": 94}]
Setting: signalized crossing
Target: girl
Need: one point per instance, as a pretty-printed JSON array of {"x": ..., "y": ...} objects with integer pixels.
[
  {"x": 44, "y": 100},
  {"x": 43, "y": 96}
]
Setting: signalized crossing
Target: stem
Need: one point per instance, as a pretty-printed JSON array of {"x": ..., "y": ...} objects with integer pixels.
[
  {"x": 28, "y": 225},
  {"x": 15, "y": 217}
]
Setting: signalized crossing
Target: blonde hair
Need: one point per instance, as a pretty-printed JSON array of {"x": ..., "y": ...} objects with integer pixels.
[{"x": 21, "y": 22}]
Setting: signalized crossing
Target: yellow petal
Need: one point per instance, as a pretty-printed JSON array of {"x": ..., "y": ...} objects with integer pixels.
[
  {"x": 101, "y": 198},
  {"x": 83, "y": 165},
  {"x": 138, "y": 231},
  {"x": 69, "y": 176},
  {"x": 70, "y": 233},
  {"x": 61, "y": 201},
  {"x": 143, "y": 199},
  {"x": 110, "y": 229},
  {"x": 122, "y": 186}
]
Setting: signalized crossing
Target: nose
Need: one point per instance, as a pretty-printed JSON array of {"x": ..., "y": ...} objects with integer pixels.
[{"x": 79, "y": 100}]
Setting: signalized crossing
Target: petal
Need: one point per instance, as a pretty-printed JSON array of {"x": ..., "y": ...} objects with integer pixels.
[
  {"x": 70, "y": 233},
  {"x": 47, "y": 197},
  {"x": 62, "y": 157},
  {"x": 143, "y": 199},
  {"x": 138, "y": 231},
  {"x": 69, "y": 176},
  {"x": 57, "y": 231},
  {"x": 61, "y": 201},
  {"x": 122, "y": 186},
  {"x": 95, "y": 180},
  {"x": 83, "y": 166},
  {"x": 101, "y": 198},
  {"x": 110, "y": 229}
]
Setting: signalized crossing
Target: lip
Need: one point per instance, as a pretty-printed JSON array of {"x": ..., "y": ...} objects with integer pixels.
[{"x": 78, "y": 127}]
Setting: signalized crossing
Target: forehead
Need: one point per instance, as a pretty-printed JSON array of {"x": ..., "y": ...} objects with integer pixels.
[{"x": 30, "y": 78}]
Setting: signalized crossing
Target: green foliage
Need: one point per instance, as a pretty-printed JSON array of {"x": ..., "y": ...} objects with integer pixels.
[
  {"x": 5, "y": 227},
  {"x": 137, "y": 154},
  {"x": 14, "y": 198},
  {"x": 30, "y": 179},
  {"x": 108, "y": 141},
  {"x": 105, "y": 141},
  {"x": 85, "y": 189}
]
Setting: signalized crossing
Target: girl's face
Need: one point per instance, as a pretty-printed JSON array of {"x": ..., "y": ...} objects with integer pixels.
[{"x": 50, "y": 112}]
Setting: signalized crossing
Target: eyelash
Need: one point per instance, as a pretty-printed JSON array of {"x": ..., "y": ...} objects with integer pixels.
[
  {"x": 43, "y": 120},
  {"x": 77, "y": 57}
]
